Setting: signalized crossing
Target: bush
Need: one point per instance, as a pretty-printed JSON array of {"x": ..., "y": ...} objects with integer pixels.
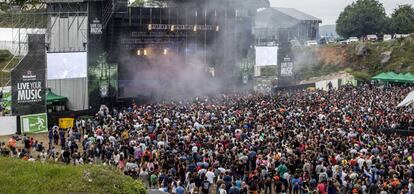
[
  {"x": 5, "y": 55},
  {"x": 361, "y": 75}
]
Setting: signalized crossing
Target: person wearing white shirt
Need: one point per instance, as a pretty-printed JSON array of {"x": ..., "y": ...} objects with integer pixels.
[
  {"x": 194, "y": 149},
  {"x": 117, "y": 157},
  {"x": 361, "y": 162},
  {"x": 210, "y": 176},
  {"x": 222, "y": 189},
  {"x": 160, "y": 144}
]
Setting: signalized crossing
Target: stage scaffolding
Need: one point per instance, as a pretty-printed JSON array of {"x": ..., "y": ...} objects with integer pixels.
[{"x": 63, "y": 22}]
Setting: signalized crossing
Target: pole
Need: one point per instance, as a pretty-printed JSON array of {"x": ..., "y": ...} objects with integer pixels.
[{"x": 19, "y": 40}]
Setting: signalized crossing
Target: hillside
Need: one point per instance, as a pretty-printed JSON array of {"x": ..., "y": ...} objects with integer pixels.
[
  {"x": 363, "y": 59},
  {"x": 6, "y": 59},
  {"x": 34, "y": 19},
  {"x": 26, "y": 177}
]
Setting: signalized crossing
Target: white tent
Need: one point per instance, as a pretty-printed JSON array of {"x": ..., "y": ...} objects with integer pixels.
[{"x": 407, "y": 100}]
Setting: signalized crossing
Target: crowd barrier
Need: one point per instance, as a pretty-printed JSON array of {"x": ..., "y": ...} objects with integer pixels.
[{"x": 8, "y": 125}]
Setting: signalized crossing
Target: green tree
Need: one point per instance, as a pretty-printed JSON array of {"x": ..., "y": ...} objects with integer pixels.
[
  {"x": 158, "y": 3},
  {"x": 402, "y": 19},
  {"x": 361, "y": 18},
  {"x": 138, "y": 3},
  {"x": 389, "y": 27}
]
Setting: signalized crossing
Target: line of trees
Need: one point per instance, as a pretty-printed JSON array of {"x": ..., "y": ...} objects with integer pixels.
[{"x": 365, "y": 17}]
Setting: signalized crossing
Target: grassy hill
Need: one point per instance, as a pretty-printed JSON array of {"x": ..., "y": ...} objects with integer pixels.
[
  {"x": 33, "y": 19},
  {"x": 26, "y": 177},
  {"x": 5, "y": 58},
  {"x": 363, "y": 60}
]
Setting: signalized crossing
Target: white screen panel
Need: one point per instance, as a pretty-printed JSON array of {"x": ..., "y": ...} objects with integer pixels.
[
  {"x": 66, "y": 65},
  {"x": 266, "y": 56}
]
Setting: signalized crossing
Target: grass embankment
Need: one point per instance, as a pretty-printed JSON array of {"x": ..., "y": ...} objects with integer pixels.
[
  {"x": 6, "y": 58},
  {"x": 329, "y": 59},
  {"x": 401, "y": 61},
  {"x": 26, "y": 177},
  {"x": 33, "y": 19}
]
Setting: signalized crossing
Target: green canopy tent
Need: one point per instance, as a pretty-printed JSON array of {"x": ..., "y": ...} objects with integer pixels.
[
  {"x": 393, "y": 77},
  {"x": 403, "y": 79},
  {"x": 383, "y": 77},
  {"x": 54, "y": 98},
  {"x": 410, "y": 75},
  {"x": 392, "y": 74}
]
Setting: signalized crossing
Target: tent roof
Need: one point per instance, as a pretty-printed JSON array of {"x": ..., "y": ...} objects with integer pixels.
[
  {"x": 409, "y": 75},
  {"x": 52, "y": 97},
  {"x": 384, "y": 76},
  {"x": 408, "y": 100},
  {"x": 380, "y": 76},
  {"x": 391, "y": 73},
  {"x": 402, "y": 78},
  {"x": 296, "y": 14},
  {"x": 393, "y": 77}
]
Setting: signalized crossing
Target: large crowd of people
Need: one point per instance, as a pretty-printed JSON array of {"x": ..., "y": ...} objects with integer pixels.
[{"x": 289, "y": 142}]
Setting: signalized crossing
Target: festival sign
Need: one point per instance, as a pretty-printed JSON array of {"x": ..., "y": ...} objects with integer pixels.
[
  {"x": 28, "y": 80},
  {"x": 29, "y": 89},
  {"x": 96, "y": 27},
  {"x": 35, "y": 123},
  {"x": 286, "y": 67}
]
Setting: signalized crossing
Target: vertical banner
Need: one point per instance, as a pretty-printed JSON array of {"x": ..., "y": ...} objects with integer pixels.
[
  {"x": 286, "y": 67},
  {"x": 35, "y": 123},
  {"x": 96, "y": 44},
  {"x": 28, "y": 79}
]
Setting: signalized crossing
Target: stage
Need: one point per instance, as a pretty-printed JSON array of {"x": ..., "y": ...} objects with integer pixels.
[{"x": 176, "y": 51}]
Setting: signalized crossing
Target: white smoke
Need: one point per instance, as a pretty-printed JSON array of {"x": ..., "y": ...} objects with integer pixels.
[{"x": 195, "y": 72}]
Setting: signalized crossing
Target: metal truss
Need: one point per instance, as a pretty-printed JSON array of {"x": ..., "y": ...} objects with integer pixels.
[{"x": 39, "y": 18}]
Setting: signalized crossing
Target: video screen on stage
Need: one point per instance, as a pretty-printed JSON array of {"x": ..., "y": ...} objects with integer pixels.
[
  {"x": 66, "y": 65},
  {"x": 266, "y": 55}
]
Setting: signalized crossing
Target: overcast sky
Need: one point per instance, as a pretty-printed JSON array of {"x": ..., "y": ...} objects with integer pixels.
[{"x": 329, "y": 10}]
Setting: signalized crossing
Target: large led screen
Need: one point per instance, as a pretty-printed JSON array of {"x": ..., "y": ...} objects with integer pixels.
[
  {"x": 266, "y": 56},
  {"x": 66, "y": 65}
]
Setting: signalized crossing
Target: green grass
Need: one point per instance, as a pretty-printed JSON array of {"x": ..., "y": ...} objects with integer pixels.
[
  {"x": 26, "y": 177},
  {"x": 402, "y": 57},
  {"x": 5, "y": 58},
  {"x": 359, "y": 75},
  {"x": 23, "y": 20},
  {"x": 319, "y": 70},
  {"x": 5, "y": 76},
  {"x": 364, "y": 67}
]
